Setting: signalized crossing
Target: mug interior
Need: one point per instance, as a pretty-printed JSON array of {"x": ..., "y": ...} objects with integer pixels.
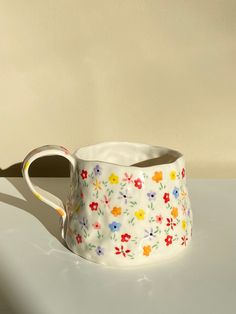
[{"x": 128, "y": 154}]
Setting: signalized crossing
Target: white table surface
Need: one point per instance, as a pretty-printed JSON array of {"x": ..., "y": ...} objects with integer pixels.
[{"x": 38, "y": 275}]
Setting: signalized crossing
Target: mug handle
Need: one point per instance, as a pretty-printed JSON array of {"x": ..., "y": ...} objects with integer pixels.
[{"x": 42, "y": 195}]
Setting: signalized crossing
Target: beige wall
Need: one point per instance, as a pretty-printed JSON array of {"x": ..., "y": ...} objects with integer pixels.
[{"x": 160, "y": 72}]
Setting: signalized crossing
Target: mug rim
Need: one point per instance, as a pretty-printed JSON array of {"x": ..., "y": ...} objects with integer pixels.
[{"x": 179, "y": 156}]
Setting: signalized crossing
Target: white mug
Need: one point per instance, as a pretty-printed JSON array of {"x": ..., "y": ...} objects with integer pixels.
[{"x": 128, "y": 202}]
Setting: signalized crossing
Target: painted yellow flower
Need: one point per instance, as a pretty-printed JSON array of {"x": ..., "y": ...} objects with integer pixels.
[
  {"x": 147, "y": 250},
  {"x": 114, "y": 179},
  {"x": 140, "y": 214},
  {"x": 174, "y": 212},
  {"x": 97, "y": 185},
  {"x": 173, "y": 175},
  {"x": 157, "y": 177},
  {"x": 184, "y": 224},
  {"x": 183, "y": 194},
  {"x": 116, "y": 211}
]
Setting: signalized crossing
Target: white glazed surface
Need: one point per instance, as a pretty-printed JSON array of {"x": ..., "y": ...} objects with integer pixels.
[{"x": 123, "y": 215}]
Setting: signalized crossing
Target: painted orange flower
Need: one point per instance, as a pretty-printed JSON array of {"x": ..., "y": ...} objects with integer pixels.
[
  {"x": 116, "y": 211},
  {"x": 174, "y": 212},
  {"x": 147, "y": 250},
  {"x": 157, "y": 177}
]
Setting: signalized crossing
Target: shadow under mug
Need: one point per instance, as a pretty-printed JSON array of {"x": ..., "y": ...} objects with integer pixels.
[{"x": 127, "y": 205}]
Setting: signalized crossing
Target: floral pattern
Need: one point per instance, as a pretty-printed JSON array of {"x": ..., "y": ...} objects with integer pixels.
[
  {"x": 159, "y": 219},
  {"x": 147, "y": 250},
  {"x": 99, "y": 251},
  {"x": 93, "y": 206},
  {"x": 122, "y": 251},
  {"x": 114, "y": 179},
  {"x": 116, "y": 211},
  {"x": 138, "y": 183},
  {"x": 166, "y": 197},
  {"x": 151, "y": 196},
  {"x": 114, "y": 226},
  {"x": 175, "y": 212},
  {"x": 123, "y": 214},
  {"x": 84, "y": 174},
  {"x": 78, "y": 238},
  {"x": 97, "y": 225},
  {"x": 157, "y": 177},
  {"x": 125, "y": 237},
  {"x": 130, "y": 215},
  {"x": 140, "y": 214},
  {"x": 168, "y": 240}
]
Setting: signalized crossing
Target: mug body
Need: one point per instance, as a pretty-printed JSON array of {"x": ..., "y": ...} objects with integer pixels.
[{"x": 128, "y": 204}]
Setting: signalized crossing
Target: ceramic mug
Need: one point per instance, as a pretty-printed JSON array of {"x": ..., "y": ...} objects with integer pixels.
[{"x": 128, "y": 203}]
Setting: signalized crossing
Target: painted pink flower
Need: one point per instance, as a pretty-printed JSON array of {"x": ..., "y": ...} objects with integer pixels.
[
  {"x": 166, "y": 197},
  {"x": 170, "y": 223},
  {"x": 168, "y": 240},
  {"x": 96, "y": 225},
  {"x": 128, "y": 178},
  {"x": 138, "y": 183},
  {"x": 184, "y": 239},
  {"x": 159, "y": 219},
  {"x": 125, "y": 237},
  {"x": 106, "y": 201},
  {"x": 93, "y": 206},
  {"x": 84, "y": 174},
  {"x": 184, "y": 210},
  {"x": 122, "y": 251},
  {"x": 78, "y": 238}
]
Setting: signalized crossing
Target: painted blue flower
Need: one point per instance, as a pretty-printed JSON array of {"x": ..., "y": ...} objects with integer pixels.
[
  {"x": 176, "y": 192},
  {"x": 114, "y": 226},
  {"x": 151, "y": 196},
  {"x": 97, "y": 170},
  {"x": 99, "y": 250}
]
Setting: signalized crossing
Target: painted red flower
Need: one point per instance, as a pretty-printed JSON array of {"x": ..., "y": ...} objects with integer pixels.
[
  {"x": 170, "y": 223},
  {"x": 125, "y": 237},
  {"x": 84, "y": 174},
  {"x": 138, "y": 183},
  {"x": 78, "y": 238},
  {"x": 166, "y": 197},
  {"x": 184, "y": 239},
  {"x": 122, "y": 251},
  {"x": 168, "y": 240},
  {"x": 93, "y": 206},
  {"x": 183, "y": 173}
]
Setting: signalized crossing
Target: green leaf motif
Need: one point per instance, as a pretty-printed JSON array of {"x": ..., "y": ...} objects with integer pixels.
[
  {"x": 91, "y": 246},
  {"x": 133, "y": 203},
  {"x": 131, "y": 221}
]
